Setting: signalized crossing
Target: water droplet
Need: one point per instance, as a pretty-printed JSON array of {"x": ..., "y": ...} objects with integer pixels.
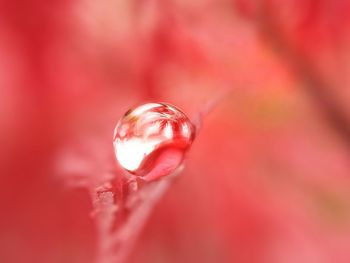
[{"x": 150, "y": 140}]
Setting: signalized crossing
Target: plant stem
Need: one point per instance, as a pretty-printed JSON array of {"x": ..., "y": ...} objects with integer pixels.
[{"x": 116, "y": 245}]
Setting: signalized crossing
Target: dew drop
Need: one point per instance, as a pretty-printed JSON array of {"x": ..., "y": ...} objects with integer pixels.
[{"x": 150, "y": 141}]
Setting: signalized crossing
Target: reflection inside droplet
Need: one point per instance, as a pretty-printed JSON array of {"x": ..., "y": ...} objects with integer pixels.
[{"x": 150, "y": 141}]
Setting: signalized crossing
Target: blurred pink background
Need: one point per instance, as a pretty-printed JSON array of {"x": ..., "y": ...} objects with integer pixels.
[{"x": 268, "y": 177}]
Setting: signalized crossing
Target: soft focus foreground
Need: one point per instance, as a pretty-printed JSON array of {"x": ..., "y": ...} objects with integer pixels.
[{"x": 268, "y": 177}]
